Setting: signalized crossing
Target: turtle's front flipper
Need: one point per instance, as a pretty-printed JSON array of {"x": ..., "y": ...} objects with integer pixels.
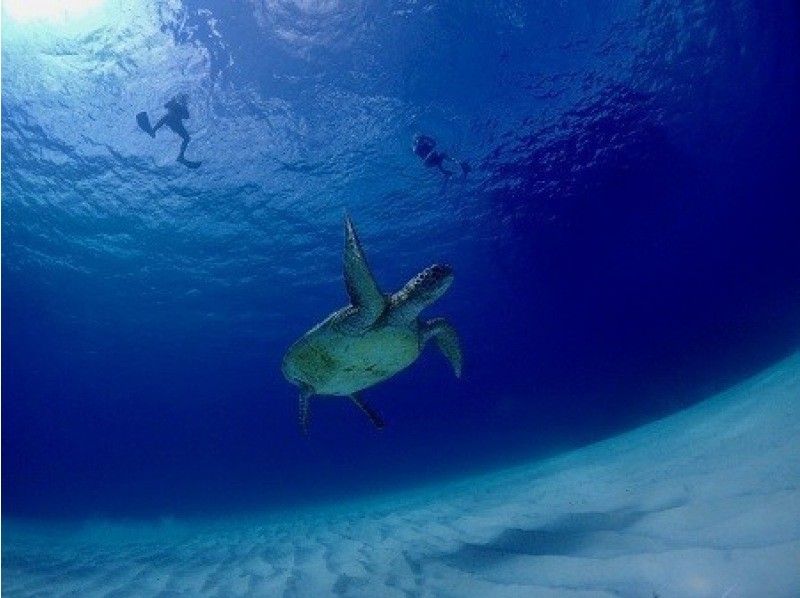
[
  {"x": 304, "y": 413},
  {"x": 362, "y": 289},
  {"x": 447, "y": 339},
  {"x": 371, "y": 413}
]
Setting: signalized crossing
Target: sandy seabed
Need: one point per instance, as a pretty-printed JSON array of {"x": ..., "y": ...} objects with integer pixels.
[{"x": 705, "y": 502}]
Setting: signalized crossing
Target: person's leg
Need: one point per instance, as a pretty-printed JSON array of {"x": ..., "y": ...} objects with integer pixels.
[
  {"x": 158, "y": 125},
  {"x": 441, "y": 160},
  {"x": 185, "y": 139},
  {"x": 184, "y": 135},
  {"x": 456, "y": 165},
  {"x": 184, "y": 143}
]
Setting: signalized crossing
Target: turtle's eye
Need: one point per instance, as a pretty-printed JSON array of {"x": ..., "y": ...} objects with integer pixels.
[
  {"x": 436, "y": 272},
  {"x": 432, "y": 278}
]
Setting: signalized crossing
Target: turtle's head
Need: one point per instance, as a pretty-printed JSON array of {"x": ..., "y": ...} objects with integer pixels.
[{"x": 427, "y": 286}]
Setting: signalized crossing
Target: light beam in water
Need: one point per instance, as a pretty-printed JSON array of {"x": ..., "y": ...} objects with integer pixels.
[{"x": 51, "y": 11}]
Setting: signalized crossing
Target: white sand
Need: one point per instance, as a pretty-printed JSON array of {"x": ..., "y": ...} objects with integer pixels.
[{"x": 703, "y": 503}]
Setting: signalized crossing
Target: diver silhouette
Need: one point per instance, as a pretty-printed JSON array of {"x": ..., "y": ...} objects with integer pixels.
[
  {"x": 424, "y": 146},
  {"x": 177, "y": 112}
]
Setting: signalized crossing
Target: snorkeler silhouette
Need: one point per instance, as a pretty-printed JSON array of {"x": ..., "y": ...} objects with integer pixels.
[
  {"x": 177, "y": 112},
  {"x": 424, "y": 147}
]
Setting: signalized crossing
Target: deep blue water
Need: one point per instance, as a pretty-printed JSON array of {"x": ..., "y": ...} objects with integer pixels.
[{"x": 626, "y": 243}]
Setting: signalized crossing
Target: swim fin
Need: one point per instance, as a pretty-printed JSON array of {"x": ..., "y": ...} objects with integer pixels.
[
  {"x": 144, "y": 123},
  {"x": 189, "y": 163}
]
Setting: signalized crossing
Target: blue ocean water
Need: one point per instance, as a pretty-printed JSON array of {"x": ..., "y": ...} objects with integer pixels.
[{"x": 624, "y": 245}]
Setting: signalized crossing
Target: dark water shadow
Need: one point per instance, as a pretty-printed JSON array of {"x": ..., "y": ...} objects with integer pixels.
[{"x": 568, "y": 535}]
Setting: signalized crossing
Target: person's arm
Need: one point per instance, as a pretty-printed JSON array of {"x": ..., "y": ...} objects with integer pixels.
[
  {"x": 444, "y": 170},
  {"x": 453, "y": 161}
]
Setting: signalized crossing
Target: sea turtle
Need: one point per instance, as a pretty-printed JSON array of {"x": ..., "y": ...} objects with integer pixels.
[{"x": 373, "y": 338}]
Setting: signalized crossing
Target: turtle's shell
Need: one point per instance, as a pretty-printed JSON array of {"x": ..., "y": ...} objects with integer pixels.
[{"x": 335, "y": 363}]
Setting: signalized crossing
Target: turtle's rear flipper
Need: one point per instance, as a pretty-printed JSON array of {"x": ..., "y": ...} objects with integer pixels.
[
  {"x": 447, "y": 340},
  {"x": 304, "y": 413},
  {"x": 144, "y": 123},
  {"x": 371, "y": 413}
]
